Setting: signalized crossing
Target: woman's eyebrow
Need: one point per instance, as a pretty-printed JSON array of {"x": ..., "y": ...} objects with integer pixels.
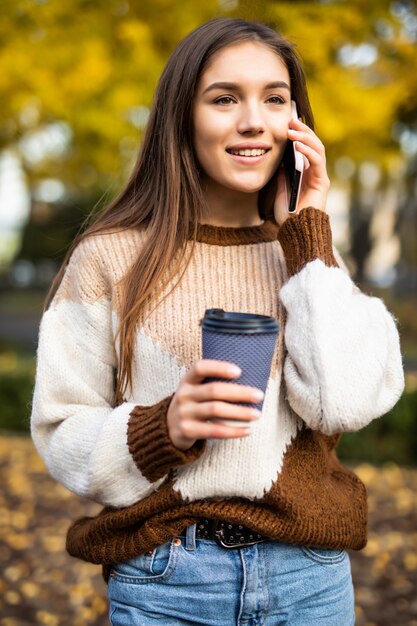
[{"x": 277, "y": 84}]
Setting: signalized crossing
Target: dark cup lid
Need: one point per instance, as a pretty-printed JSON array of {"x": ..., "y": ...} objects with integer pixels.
[{"x": 222, "y": 321}]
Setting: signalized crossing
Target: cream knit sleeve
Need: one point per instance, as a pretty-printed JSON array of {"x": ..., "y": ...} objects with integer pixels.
[
  {"x": 81, "y": 436},
  {"x": 343, "y": 366}
]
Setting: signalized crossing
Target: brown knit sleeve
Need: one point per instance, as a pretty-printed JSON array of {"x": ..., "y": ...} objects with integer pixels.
[
  {"x": 305, "y": 237},
  {"x": 150, "y": 444}
]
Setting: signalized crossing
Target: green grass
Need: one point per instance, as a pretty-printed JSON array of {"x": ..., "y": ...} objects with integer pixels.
[{"x": 17, "y": 374}]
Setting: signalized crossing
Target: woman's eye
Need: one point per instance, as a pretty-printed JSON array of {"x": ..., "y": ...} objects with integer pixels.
[
  {"x": 276, "y": 100},
  {"x": 224, "y": 100}
]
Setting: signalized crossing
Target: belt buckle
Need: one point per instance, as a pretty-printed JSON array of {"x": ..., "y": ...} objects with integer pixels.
[{"x": 219, "y": 539}]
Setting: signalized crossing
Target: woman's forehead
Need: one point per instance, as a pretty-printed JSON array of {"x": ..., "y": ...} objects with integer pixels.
[{"x": 249, "y": 60}]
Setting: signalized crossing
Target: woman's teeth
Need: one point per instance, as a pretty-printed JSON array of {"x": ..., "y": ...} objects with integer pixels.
[{"x": 248, "y": 153}]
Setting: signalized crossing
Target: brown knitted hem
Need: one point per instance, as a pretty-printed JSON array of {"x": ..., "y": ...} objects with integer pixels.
[
  {"x": 328, "y": 510},
  {"x": 306, "y": 237},
  {"x": 120, "y": 535},
  {"x": 150, "y": 444}
]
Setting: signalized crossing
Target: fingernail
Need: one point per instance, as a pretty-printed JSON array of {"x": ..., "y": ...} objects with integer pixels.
[
  {"x": 258, "y": 394},
  {"x": 235, "y": 370}
]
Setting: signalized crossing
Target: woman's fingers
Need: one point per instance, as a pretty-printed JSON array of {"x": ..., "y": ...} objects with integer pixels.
[
  {"x": 302, "y": 133},
  {"x": 299, "y": 125},
  {"x": 197, "y": 406},
  {"x": 202, "y": 420},
  {"x": 229, "y": 392},
  {"x": 312, "y": 155},
  {"x": 205, "y": 368},
  {"x": 309, "y": 145},
  {"x": 194, "y": 430},
  {"x": 219, "y": 410},
  {"x": 217, "y": 400}
]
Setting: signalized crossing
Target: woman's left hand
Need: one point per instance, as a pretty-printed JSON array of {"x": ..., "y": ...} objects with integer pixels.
[{"x": 315, "y": 183}]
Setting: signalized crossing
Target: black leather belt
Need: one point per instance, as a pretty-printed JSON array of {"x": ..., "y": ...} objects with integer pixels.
[{"x": 226, "y": 535}]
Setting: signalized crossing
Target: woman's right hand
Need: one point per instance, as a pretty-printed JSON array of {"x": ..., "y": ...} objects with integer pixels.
[{"x": 195, "y": 404}]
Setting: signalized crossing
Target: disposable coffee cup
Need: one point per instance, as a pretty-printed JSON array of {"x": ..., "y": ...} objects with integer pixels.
[{"x": 245, "y": 339}]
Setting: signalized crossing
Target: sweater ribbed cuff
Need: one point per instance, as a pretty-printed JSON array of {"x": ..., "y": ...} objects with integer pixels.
[
  {"x": 150, "y": 444},
  {"x": 305, "y": 237}
]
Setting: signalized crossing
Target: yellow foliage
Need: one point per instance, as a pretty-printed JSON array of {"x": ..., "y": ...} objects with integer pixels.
[
  {"x": 30, "y": 589},
  {"x": 89, "y": 63},
  {"x": 53, "y": 543},
  {"x": 20, "y": 541},
  {"x": 90, "y": 72},
  {"x": 46, "y": 618},
  {"x": 410, "y": 561},
  {"x": 12, "y": 597},
  {"x": 134, "y": 32}
]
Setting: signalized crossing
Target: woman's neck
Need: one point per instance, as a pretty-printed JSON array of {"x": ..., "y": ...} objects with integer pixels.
[{"x": 226, "y": 207}]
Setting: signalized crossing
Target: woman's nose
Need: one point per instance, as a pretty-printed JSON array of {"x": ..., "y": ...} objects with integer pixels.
[{"x": 251, "y": 120}]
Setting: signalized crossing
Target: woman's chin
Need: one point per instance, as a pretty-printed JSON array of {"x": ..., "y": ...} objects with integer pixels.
[{"x": 250, "y": 187}]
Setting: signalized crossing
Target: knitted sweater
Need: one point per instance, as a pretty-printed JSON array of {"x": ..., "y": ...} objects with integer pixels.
[{"x": 337, "y": 366}]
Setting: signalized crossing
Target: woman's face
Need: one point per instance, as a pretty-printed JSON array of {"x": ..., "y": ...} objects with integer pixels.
[{"x": 241, "y": 113}]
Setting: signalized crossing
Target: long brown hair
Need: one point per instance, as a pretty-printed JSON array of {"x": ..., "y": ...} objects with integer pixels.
[{"x": 164, "y": 193}]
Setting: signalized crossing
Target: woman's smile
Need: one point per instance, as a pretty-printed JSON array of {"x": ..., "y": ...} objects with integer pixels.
[{"x": 249, "y": 154}]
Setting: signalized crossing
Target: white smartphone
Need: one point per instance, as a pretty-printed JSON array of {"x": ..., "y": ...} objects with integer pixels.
[{"x": 293, "y": 162}]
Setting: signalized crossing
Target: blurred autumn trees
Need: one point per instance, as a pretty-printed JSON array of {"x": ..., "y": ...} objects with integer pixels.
[{"x": 87, "y": 70}]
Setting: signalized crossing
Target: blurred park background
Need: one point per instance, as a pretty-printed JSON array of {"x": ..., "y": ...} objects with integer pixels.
[{"x": 76, "y": 83}]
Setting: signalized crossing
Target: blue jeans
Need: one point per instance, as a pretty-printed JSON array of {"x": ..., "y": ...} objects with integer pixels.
[{"x": 195, "y": 582}]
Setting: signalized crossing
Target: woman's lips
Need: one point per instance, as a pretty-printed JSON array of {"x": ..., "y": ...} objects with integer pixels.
[{"x": 248, "y": 160}]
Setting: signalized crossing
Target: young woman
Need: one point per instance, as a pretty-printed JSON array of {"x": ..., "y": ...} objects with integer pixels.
[{"x": 206, "y": 523}]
